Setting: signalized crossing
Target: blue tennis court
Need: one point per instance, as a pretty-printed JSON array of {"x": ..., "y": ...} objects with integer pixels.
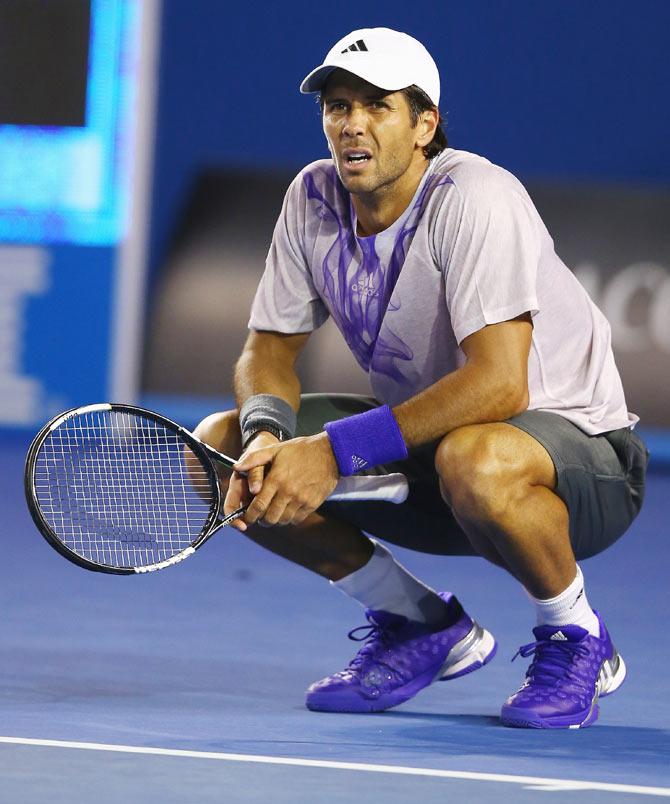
[{"x": 192, "y": 679}]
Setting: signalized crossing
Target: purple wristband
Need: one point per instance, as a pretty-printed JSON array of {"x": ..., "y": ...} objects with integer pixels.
[{"x": 366, "y": 440}]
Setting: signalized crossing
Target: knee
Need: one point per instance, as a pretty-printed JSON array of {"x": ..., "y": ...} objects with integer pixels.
[
  {"x": 221, "y": 431},
  {"x": 477, "y": 471}
]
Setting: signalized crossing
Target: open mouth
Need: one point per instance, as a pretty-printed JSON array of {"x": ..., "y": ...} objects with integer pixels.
[{"x": 356, "y": 157}]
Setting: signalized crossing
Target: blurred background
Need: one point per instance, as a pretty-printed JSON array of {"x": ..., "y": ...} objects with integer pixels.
[{"x": 145, "y": 148}]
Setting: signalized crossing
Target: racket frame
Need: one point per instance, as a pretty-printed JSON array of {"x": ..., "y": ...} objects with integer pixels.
[{"x": 206, "y": 455}]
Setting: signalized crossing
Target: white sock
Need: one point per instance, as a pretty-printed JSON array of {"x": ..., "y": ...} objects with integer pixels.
[
  {"x": 384, "y": 585},
  {"x": 571, "y": 607}
]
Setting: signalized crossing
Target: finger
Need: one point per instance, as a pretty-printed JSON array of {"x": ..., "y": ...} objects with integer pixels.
[
  {"x": 237, "y": 495},
  {"x": 238, "y": 523},
  {"x": 300, "y": 515},
  {"x": 255, "y": 457},
  {"x": 289, "y": 513},
  {"x": 259, "y": 505},
  {"x": 255, "y": 479},
  {"x": 275, "y": 511}
]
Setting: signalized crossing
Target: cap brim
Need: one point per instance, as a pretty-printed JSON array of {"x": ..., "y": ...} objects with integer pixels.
[{"x": 316, "y": 79}]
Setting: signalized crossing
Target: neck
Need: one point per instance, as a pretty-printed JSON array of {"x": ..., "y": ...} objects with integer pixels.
[{"x": 380, "y": 209}]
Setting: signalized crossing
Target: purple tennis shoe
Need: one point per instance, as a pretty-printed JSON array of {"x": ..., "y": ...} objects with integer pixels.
[
  {"x": 570, "y": 670},
  {"x": 400, "y": 658}
]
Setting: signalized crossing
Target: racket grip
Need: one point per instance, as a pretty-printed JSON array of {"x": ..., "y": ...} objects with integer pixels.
[
  {"x": 232, "y": 517},
  {"x": 392, "y": 488}
]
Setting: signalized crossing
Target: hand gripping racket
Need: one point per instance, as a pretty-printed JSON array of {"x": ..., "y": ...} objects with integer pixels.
[{"x": 119, "y": 489}]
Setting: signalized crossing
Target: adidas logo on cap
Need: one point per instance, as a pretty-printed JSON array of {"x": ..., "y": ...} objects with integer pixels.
[{"x": 358, "y": 45}]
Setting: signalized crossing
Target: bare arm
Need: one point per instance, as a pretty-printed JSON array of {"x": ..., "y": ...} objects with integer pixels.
[
  {"x": 267, "y": 366},
  {"x": 492, "y": 385}
]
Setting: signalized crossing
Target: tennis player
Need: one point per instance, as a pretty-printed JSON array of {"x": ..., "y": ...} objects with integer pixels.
[{"x": 495, "y": 392}]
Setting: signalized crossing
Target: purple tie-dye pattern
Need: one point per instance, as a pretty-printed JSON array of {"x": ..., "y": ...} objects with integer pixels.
[
  {"x": 360, "y": 300},
  {"x": 389, "y": 347},
  {"x": 342, "y": 253}
]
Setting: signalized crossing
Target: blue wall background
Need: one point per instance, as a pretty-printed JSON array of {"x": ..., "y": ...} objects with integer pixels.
[{"x": 576, "y": 90}]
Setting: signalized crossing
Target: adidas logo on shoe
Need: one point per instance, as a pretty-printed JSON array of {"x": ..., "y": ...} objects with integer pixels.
[{"x": 559, "y": 636}]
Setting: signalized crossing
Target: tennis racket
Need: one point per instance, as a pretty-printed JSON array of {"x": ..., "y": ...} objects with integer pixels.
[{"x": 116, "y": 488}]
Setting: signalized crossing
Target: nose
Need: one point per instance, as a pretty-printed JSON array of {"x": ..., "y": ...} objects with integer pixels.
[{"x": 354, "y": 122}]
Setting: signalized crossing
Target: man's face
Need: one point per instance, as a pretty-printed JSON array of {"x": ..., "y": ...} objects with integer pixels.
[{"x": 369, "y": 133}]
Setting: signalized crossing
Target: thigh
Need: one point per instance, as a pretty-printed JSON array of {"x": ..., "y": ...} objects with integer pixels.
[
  {"x": 222, "y": 431},
  {"x": 600, "y": 478},
  {"x": 423, "y": 522}
]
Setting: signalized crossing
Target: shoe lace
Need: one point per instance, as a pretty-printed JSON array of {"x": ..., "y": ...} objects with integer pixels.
[
  {"x": 374, "y": 637},
  {"x": 552, "y": 660}
]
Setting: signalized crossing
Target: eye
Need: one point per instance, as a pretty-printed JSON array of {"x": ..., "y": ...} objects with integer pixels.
[
  {"x": 336, "y": 106},
  {"x": 379, "y": 104}
]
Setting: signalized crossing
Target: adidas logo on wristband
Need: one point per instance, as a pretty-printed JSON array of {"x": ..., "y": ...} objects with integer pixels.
[
  {"x": 376, "y": 431},
  {"x": 358, "y": 463}
]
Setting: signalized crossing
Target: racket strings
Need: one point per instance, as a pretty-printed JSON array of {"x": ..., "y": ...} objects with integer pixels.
[{"x": 122, "y": 490}]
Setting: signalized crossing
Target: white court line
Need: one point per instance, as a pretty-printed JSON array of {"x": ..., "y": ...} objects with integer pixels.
[{"x": 530, "y": 782}]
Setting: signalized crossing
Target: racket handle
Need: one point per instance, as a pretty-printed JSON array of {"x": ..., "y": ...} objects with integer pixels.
[
  {"x": 232, "y": 517},
  {"x": 392, "y": 488}
]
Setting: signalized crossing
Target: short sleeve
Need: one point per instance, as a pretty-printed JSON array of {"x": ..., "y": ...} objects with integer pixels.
[
  {"x": 286, "y": 299},
  {"x": 492, "y": 255}
]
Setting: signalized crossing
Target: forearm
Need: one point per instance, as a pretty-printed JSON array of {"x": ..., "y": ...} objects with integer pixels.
[
  {"x": 469, "y": 395},
  {"x": 490, "y": 387},
  {"x": 267, "y": 366}
]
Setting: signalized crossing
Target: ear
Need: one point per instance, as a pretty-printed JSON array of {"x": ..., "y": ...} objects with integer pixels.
[{"x": 426, "y": 126}]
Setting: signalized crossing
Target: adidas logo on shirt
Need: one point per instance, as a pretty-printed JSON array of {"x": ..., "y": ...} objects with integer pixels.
[
  {"x": 364, "y": 287},
  {"x": 559, "y": 636},
  {"x": 356, "y": 47}
]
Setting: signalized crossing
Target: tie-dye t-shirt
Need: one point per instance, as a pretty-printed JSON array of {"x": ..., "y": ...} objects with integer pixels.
[{"x": 469, "y": 250}]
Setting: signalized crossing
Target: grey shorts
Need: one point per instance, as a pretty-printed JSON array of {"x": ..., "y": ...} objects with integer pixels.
[{"x": 599, "y": 478}]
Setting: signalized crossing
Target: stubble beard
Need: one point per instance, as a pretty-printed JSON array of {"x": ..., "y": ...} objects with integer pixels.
[{"x": 369, "y": 185}]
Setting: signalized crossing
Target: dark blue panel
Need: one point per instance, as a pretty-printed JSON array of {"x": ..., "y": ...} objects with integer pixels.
[{"x": 563, "y": 90}]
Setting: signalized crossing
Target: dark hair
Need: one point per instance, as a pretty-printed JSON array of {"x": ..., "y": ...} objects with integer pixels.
[{"x": 419, "y": 102}]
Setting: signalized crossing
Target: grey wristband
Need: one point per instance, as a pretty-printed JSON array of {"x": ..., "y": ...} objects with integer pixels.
[{"x": 267, "y": 412}]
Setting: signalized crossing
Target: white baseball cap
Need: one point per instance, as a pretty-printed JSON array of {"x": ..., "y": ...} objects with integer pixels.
[{"x": 388, "y": 59}]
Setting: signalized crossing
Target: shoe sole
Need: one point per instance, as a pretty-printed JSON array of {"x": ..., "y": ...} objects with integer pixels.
[
  {"x": 611, "y": 676},
  {"x": 472, "y": 652},
  {"x": 475, "y": 650},
  {"x": 523, "y": 719}
]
